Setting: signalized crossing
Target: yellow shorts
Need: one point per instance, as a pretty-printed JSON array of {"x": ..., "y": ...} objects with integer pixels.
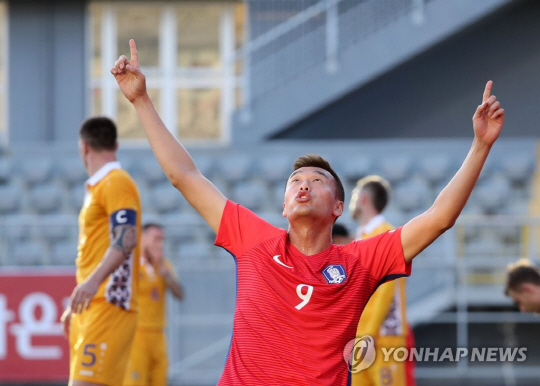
[
  {"x": 100, "y": 341},
  {"x": 147, "y": 365},
  {"x": 383, "y": 373}
]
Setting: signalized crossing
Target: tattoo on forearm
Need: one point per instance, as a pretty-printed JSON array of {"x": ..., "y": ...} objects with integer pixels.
[{"x": 124, "y": 238}]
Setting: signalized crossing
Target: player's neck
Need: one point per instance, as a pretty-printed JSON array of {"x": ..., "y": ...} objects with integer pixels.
[
  {"x": 97, "y": 160},
  {"x": 366, "y": 216},
  {"x": 310, "y": 239}
]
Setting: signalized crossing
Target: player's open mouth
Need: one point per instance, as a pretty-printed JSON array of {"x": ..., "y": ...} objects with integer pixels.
[{"x": 303, "y": 196}]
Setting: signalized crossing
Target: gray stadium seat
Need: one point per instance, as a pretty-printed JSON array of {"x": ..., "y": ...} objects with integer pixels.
[
  {"x": 205, "y": 164},
  {"x": 275, "y": 168},
  {"x": 236, "y": 167},
  {"x": 396, "y": 168},
  {"x": 18, "y": 227},
  {"x": 492, "y": 194},
  {"x": 251, "y": 194},
  {"x": 64, "y": 253},
  {"x": 436, "y": 168},
  {"x": 76, "y": 197},
  {"x": 10, "y": 201},
  {"x": 149, "y": 169},
  {"x": 35, "y": 170},
  {"x": 412, "y": 196},
  {"x": 356, "y": 167},
  {"x": 71, "y": 171},
  {"x": 165, "y": 198},
  {"x": 55, "y": 227},
  {"x": 29, "y": 253},
  {"x": 517, "y": 167},
  {"x": 6, "y": 168},
  {"x": 46, "y": 198}
]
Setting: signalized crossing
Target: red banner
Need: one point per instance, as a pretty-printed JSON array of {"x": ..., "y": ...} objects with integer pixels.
[{"x": 32, "y": 344}]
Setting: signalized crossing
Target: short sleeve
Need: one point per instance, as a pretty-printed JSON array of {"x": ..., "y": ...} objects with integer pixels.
[
  {"x": 382, "y": 255},
  {"x": 118, "y": 193},
  {"x": 240, "y": 229}
]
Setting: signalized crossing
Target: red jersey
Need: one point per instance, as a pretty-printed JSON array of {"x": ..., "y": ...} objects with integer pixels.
[{"x": 295, "y": 313}]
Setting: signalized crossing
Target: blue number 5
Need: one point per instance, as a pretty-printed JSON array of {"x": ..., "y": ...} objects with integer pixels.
[{"x": 89, "y": 353}]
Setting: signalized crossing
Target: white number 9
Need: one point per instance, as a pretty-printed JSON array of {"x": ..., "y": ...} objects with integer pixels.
[{"x": 305, "y": 297}]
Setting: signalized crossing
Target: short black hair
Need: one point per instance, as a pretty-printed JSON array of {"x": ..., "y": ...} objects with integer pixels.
[
  {"x": 99, "y": 133},
  {"x": 520, "y": 273},
  {"x": 315, "y": 160},
  {"x": 149, "y": 225},
  {"x": 340, "y": 230},
  {"x": 378, "y": 189}
]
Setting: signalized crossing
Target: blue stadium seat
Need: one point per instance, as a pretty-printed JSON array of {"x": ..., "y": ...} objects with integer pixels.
[
  {"x": 18, "y": 227},
  {"x": 492, "y": 194},
  {"x": 205, "y": 164},
  {"x": 46, "y": 198}
]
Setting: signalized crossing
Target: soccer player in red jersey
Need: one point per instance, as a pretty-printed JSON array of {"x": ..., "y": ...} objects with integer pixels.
[{"x": 299, "y": 296}]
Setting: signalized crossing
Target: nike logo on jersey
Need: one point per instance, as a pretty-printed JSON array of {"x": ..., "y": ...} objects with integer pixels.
[{"x": 276, "y": 259}]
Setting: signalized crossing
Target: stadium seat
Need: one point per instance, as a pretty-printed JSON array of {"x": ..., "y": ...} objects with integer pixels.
[
  {"x": 251, "y": 194},
  {"x": 64, "y": 253},
  {"x": 6, "y": 167},
  {"x": 35, "y": 170},
  {"x": 396, "y": 168},
  {"x": 29, "y": 253},
  {"x": 18, "y": 227},
  {"x": 356, "y": 167},
  {"x": 149, "y": 169},
  {"x": 76, "y": 197},
  {"x": 492, "y": 194},
  {"x": 205, "y": 164},
  {"x": 71, "y": 171},
  {"x": 56, "y": 227},
  {"x": 435, "y": 168},
  {"x": 275, "y": 168},
  {"x": 10, "y": 201},
  {"x": 45, "y": 198},
  {"x": 164, "y": 198},
  {"x": 236, "y": 166},
  {"x": 517, "y": 167},
  {"x": 412, "y": 195}
]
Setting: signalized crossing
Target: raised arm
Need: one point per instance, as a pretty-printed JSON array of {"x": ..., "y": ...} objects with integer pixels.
[
  {"x": 421, "y": 231},
  {"x": 171, "y": 155}
]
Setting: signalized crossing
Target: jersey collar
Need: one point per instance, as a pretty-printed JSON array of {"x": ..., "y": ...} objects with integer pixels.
[
  {"x": 371, "y": 225},
  {"x": 101, "y": 173}
]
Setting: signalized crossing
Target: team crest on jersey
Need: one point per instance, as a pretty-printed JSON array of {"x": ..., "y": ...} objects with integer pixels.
[{"x": 335, "y": 274}]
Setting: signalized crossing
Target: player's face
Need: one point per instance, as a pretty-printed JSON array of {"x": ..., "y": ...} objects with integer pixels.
[
  {"x": 152, "y": 244},
  {"x": 311, "y": 191},
  {"x": 527, "y": 298},
  {"x": 83, "y": 151},
  {"x": 354, "y": 206}
]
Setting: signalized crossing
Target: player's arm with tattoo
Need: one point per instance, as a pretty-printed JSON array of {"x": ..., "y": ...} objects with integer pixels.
[{"x": 123, "y": 240}]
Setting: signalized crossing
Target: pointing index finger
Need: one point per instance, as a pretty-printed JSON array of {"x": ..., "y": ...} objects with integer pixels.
[
  {"x": 487, "y": 91},
  {"x": 134, "y": 55}
]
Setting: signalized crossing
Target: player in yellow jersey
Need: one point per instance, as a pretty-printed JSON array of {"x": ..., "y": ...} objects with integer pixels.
[
  {"x": 384, "y": 317},
  {"x": 102, "y": 316},
  {"x": 148, "y": 363}
]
